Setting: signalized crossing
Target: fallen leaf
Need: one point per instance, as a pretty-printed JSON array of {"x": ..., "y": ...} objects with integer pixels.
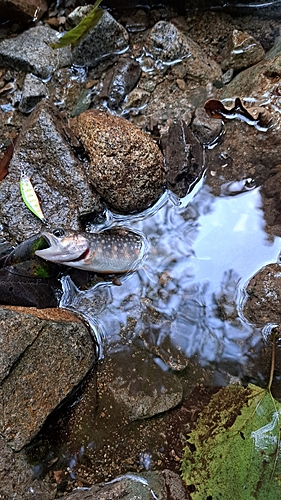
[
  {"x": 74, "y": 36},
  {"x": 235, "y": 450}
]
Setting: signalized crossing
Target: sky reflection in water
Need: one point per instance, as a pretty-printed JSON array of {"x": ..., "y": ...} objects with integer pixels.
[{"x": 184, "y": 301}]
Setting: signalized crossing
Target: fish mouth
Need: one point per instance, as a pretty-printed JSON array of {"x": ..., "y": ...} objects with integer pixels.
[
  {"x": 50, "y": 239},
  {"x": 57, "y": 253}
]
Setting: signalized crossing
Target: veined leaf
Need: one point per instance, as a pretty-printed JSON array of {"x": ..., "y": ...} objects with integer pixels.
[
  {"x": 73, "y": 36},
  {"x": 235, "y": 450}
]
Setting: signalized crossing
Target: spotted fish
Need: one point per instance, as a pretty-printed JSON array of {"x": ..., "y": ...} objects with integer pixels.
[{"x": 115, "y": 250}]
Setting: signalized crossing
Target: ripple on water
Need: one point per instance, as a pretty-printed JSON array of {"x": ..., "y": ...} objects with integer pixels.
[{"x": 184, "y": 301}]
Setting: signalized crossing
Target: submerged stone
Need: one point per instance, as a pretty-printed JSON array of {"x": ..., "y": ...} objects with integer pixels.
[
  {"x": 17, "y": 479},
  {"x": 148, "y": 391},
  {"x": 22, "y": 11},
  {"x": 127, "y": 167},
  {"x": 165, "y": 485}
]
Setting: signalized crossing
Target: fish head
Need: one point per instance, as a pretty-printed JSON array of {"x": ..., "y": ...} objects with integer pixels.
[{"x": 64, "y": 246}]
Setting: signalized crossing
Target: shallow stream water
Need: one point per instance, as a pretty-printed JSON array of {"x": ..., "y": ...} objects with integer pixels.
[{"x": 202, "y": 251}]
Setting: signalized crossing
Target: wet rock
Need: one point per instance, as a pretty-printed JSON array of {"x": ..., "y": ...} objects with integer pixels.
[
  {"x": 184, "y": 158},
  {"x": 135, "y": 101},
  {"x": 56, "y": 353},
  {"x": 168, "y": 102},
  {"x": 22, "y": 10},
  {"x": 106, "y": 38},
  {"x": 33, "y": 91},
  {"x": 275, "y": 50},
  {"x": 168, "y": 44},
  {"x": 83, "y": 103},
  {"x": 258, "y": 79},
  {"x": 256, "y": 157},
  {"x": 126, "y": 165},
  {"x": 263, "y": 296},
  {"x": 44, "y": 152},
  {"x": 241, "y": 51},
  {"x": 271, "y": 202},
  {"x": 17, "y": 479},
  {"x": 165, "y": 485},
  {"x": 137, "y": 21},
  {"x": 207, "y": 129},
  {"x": 148, "y": 391},
  {"x": 243, "y": 154},
  {"x": 120, "y": 80},
  {"x": 78, "y": 14},
  {"x": 31, "y": 52}
]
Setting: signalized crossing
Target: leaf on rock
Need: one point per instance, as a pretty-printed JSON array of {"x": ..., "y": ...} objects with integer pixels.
[
  {"x": 235, "y": 450},
  {"x": 74, "y": 36}
]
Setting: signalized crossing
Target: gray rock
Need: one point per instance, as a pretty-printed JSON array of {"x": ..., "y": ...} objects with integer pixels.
[
  {"x": 164, "y": 485},
  {"x": 55, "y": 357},
  {"x": 33, "y": 91},
  {"x": 241, "y": 51},
  {"x": 169, "y": 45},
  {"x": 31, "y": 52},
  {"x": 127, "y": 167},
  {"x": 17, "y": 480},
  {"x": 148, "y": 391},
  {"x": 106, "y": 38},
  {"x": 43, "y": 152}
]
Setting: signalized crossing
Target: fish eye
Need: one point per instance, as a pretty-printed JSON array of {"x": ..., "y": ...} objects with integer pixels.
[{"x": 59, "y": 232}]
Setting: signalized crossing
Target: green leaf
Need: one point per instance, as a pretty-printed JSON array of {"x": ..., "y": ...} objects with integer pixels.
[
  {"x": 74, "y": 36},
  {"x": 235, "y": 450}
]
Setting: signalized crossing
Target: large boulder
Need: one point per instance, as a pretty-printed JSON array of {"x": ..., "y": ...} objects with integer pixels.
[
  {"x": 44, "y": 356},
  {"x": 127, "y": 167}
]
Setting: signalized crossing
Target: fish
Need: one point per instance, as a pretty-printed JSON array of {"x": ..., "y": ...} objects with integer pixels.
[
  {"x": 110, "y": 251},
  {"x": 29, "y": 197}
]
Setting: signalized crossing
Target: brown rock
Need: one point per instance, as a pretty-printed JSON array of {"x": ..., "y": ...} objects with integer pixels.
[
  {"x": 243, "y": 154},
  {"x": 184, "y": 158},
  {"x": 263, "y": 296},
  {"x": 23, "y": 10},
  {"x": 43, "y": 360},
  {"x": 126, "y": 167},
  {"x": 271, "y": 202},
  {"x": 241, "y": 52},
  {"x": 17, "y": 479}
]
